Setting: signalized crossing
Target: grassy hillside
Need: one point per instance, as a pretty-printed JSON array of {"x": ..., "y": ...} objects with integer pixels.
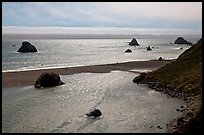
[
  {"x": 184, "y": 74},
  {"x": 181, "y": 78}
]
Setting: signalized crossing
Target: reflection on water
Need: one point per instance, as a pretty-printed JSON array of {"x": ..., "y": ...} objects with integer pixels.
[
  {"x": 125, "y": 106},
  {"x": 55, "y": 53}
]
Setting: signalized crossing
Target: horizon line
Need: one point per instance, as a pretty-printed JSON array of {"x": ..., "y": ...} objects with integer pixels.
[{"x": 98, "y": 30}]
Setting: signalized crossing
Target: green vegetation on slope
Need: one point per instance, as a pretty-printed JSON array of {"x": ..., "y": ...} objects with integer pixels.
[
  {"x": 183, "y": 77},
  {"x": 184, "y": 74}
]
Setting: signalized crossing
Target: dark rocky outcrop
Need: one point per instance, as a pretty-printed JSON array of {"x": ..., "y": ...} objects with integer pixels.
[
  {"x": 149, "y": 48},
  {"x": 48, "y": 80},
  {"x": 181, "y": 40},
  {"x": 27, "y": 47},
  {"x": 128, "y": 51},
  {"x": 181, "y": 78},
  {"x": 95, "y": 113},
  {"x": 134, "y": 42},
  {"x": 139, "y": 78}
]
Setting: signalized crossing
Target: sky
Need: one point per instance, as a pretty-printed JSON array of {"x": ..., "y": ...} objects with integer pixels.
[{"x": 107, "y": 17}]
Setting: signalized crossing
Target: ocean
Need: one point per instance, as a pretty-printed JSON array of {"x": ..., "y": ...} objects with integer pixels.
[{"x": 56, "y": 53}]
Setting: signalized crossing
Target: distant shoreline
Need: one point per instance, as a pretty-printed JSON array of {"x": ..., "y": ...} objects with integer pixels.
[{"x": 24, "y": 78}]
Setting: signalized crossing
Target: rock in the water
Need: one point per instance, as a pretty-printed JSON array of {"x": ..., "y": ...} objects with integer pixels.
[
  {"x": 160, "y": 58},
  {"x": 27, "y": 47},
  {"x": 149, "y": 48},
  {"x": 134, "y": 42},
  {"x": 181, "y": 40},
  {"x": 95, "y": 113},
  {"x": 48, "y": 80},
  {"x": 128, "y": 51}
]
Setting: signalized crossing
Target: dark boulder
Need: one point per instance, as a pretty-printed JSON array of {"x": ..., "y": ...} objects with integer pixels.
[
  {"x": 181, "y": 40},
  {"x": 27, "y": 47},
  {"x": 149, "y": 48},
  {"x": 160, "y": 58},
  {"x": 139, "y": 78},
  {"x": 48, "y": 80},
  {"x": 95, "y": 113},
  {"x": 128, "y": 51},
  {"x": 134, "y": 42}
]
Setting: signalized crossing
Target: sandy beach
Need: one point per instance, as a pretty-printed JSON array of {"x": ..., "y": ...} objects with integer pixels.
[{"x": 25, "y": 78}]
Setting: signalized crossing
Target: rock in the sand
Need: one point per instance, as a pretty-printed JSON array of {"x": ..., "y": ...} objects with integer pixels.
[
  {"x": 181, "y": 40},
  {"x": 27, "y": 47},
  {"x": 95, "y": 113},
  {"x": 177, "y": 109},
  {"x": 134, "y": 42},
  {"x": 159, "y": 127},
  {"x": 48, "y": 80},
  {"x": 128, "y": 51}
]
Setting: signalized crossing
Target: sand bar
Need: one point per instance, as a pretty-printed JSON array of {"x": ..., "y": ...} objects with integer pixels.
[{"x": 24, "y": 78}]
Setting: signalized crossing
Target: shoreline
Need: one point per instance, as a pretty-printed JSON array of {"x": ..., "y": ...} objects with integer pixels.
[{"x": 24, "y": 78}]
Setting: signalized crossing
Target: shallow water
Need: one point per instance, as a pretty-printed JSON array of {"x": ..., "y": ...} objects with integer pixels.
[{"x": 125, "y": 106}]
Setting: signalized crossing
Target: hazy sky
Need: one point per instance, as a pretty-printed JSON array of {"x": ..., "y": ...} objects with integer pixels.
[{"x": 186, "y": 16}]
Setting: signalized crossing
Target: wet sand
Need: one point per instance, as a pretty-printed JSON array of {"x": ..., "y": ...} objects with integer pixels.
[{"x": 25, "y": 78}]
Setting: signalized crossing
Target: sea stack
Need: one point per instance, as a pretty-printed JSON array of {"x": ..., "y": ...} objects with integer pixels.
[
  {"x": 149, "y": 48},
  {"x": 27, "y": 47},
  {"x": 160, "y": 58},
  {"x": 134, "y": 42},
  {"x": 181, "y": 40}
]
